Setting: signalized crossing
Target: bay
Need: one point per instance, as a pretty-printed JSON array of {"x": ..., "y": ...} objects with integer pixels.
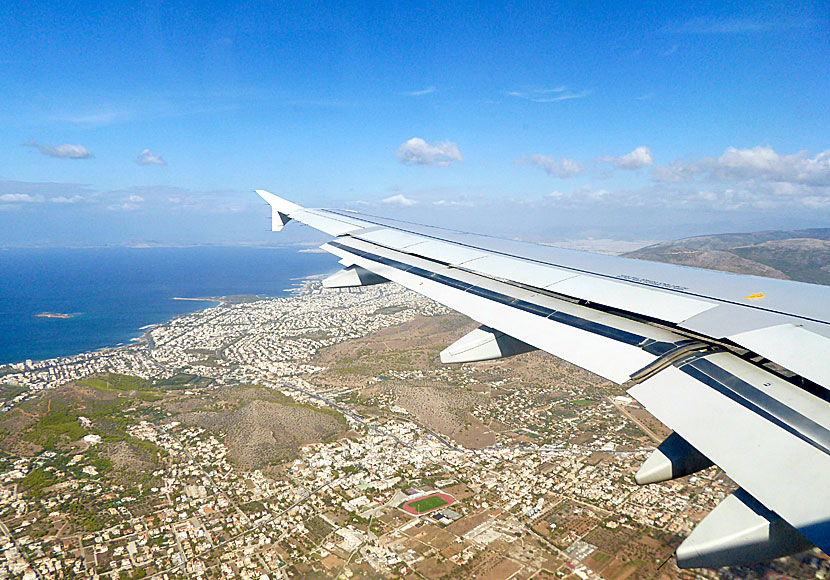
[{"x": 111, "y": 293}]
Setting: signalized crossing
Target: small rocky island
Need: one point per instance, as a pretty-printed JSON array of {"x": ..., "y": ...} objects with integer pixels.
[{"x": 55, "y": 315}]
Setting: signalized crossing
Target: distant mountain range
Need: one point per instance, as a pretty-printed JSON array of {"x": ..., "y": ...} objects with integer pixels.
[{"x": 802, "y": 255}]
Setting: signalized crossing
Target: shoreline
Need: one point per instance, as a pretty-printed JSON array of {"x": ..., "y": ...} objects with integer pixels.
[
  {"x": 125, "y": 301},
  {"x": 205, "y": 299},
  {"x": 299, "y": 284}
]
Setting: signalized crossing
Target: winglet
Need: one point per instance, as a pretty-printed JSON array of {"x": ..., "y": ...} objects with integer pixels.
[{"x": 281, "y": 209}]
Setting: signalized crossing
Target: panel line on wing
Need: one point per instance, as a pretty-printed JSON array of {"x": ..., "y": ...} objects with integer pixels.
[
  {"x": 643, "y": 283},
  {"x": 757, "y": 401},
  {"x": 606, "y": 331}
]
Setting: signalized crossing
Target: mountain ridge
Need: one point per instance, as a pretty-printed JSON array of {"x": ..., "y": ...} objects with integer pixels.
[{"x": 800, "y": 255}]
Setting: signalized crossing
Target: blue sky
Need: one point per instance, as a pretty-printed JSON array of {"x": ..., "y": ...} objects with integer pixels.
[{"x": 153, "y": 122}]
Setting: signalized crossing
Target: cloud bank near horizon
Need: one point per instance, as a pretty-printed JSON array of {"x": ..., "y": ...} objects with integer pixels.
[{"x": 757, "y": 182}]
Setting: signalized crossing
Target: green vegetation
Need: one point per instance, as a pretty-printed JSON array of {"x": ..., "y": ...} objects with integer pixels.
[
  {"x": 54, "y": 420},
  {"x": 259, "y": 393},
  {"x": 428, "y": 503},
  {"x": 583, "y": 402},
  {"x": 9, "y": 392},
  {"x": 210, "y": 361},
  {"x": 148, "y": 396},
  {"x": 36, "y": 481},
  {"x": 184, "y": 381},
  {"x": 148, "y": 446},
  {"x": 252, "y": 507},
  {"x": 101, "y": 464},
  {"x": 115, "y": 382},
  {"x": 59, "y": 424},
  {"x": 389, "y": 310}
]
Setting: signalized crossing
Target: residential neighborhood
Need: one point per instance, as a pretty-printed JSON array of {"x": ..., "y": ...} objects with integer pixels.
[{"x": 224, "y": 444}]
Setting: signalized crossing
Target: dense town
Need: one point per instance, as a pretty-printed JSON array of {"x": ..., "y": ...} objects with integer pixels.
[{"x": 138, "y": 462}]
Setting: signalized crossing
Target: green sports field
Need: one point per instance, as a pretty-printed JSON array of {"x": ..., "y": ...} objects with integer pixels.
[{"x": 428, "y": 503}]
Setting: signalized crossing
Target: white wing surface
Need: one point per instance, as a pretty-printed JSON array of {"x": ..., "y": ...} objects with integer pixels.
[{"x": 738, "y": 366}]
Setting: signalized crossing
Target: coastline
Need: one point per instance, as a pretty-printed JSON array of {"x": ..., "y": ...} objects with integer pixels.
[
  {"x": 298, "y": 286},
  {"x": 121, "y": 293},
  {"x": 205, "y": 299}
]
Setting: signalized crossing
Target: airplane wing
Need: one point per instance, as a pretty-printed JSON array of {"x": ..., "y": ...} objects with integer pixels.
[{"x": 738, "y": 366}]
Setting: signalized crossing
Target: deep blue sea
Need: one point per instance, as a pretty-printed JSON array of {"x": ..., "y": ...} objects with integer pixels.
[{"x": 116, "y": 291}]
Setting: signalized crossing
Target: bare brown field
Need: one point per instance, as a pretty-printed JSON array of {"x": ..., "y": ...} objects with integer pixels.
[
  {"x": 411, "y": 346},
  {"x": 650, "y": 422},
  {"x": 501, "y": 571},
  {"x": 399, "y": 366}
]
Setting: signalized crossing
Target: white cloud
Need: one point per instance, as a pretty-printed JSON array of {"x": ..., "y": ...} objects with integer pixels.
[
  {"x": 147, "y": 157},
  {"x": 553, "y": 95},
  {"x": 817, "y": 202},
  {"x": 134, "y": 201},
  {"x": 589, "y": 193},
  {"x": 637, "y": 159},
  {"x": 64, "y": 199},
  {"x": 677, "y": 171},
  {"x": 97, "y": 118},
  {"x": 65, "y": 151},
  {"x": 19, "y": 198},
  {"x": 453, "y": 203},
  {"x": 764, "y": 163},
  {"x": 420, "y": 93},
  {"x": 761, "y": 163},
  {"x": 400, "y": 200},
  {"x": 559, "y": 168},
  {"x": 123, "y": 206},
  {"x": 726, "y": 26},
  {"x": 582, "y": 196},
  {"x": 43, "y": 190},
  {"x": 416, "y": 151}
]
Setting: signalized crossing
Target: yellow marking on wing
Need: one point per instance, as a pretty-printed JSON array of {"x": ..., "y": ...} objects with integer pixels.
[{"x": 755, "y": 296}]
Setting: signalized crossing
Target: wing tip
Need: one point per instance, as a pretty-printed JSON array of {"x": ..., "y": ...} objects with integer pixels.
[
  {"x": 278, "y": 203},
  {"x": 281, "y": 209}
]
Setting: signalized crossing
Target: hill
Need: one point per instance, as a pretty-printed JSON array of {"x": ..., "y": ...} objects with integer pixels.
[{"x": 802, "y": 255}]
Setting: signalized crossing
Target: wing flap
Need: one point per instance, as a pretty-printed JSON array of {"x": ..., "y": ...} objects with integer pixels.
[
  {"x": 808, "y": 303},
  {"x": 779, "y": 455},
  {"x": 451, "y": 254},
  {"x": 645, "y": 301},
  {"x": 672, "y": 308},
  {"x": 598, "y": 342},
  {"x": 786, "y": 344},
  {"x": 521, "y": 271}
]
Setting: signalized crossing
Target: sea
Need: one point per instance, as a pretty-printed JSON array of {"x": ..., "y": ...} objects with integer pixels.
[{"x": 113, "y": 294}]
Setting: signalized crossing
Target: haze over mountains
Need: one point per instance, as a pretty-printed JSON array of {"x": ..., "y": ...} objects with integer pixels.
[{"x": 802, "y": 255}]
